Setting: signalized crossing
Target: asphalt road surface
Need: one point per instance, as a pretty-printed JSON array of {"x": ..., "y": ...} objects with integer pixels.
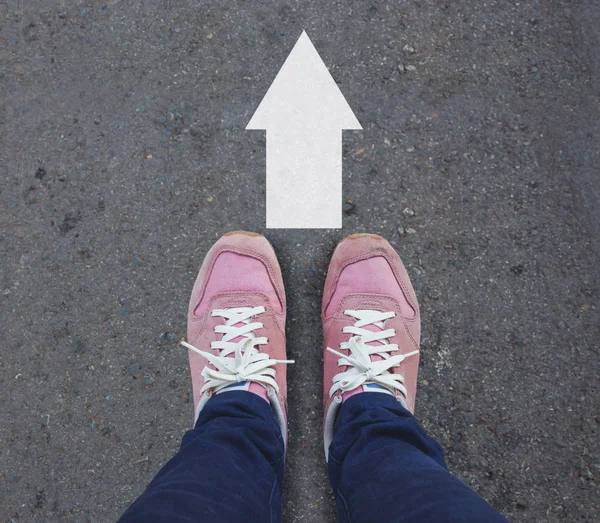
[{"x": 123, "y": 156}]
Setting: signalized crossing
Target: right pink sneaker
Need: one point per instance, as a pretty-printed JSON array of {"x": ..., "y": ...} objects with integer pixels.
[{"x": 371, "y": 326}]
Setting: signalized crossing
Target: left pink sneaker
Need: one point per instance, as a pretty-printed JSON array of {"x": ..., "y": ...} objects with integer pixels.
[{"x": 236, "y": 324}]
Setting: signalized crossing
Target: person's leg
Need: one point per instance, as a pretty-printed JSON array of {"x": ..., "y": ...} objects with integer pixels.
[
  {"x": 383, "y": 467},
  {"x": 229, "y": 468}
]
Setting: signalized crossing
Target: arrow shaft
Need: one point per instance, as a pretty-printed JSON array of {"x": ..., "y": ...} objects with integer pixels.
[{"x": 304, "y": 178}]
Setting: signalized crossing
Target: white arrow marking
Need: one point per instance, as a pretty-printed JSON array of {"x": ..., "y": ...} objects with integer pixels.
[{"x": 304, "y": 113}]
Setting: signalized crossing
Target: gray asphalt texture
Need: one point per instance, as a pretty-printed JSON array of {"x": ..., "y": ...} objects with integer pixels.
[{"x": 123, "y": 157}]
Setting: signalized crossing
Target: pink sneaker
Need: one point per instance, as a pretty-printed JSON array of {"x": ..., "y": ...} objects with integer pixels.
[
  {"x": 236, "y": 324},
  {"x": 371, "y": 326}
]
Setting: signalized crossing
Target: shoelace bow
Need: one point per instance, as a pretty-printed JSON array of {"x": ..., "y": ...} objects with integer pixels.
[
  {"x": 362, "y": 369},
  {"x": 248, "y": 363}
]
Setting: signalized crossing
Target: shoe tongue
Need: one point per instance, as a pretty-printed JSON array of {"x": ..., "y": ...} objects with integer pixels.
[
  {"x": 255, "y": 388},
  {"x": 238, "y": 338},
  {"x": 369, "y": 387},
  {"x": 373, "y": 328}
]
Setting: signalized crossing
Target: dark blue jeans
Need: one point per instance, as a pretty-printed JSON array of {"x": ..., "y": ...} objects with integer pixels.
[{"x": 382, "y": 466}]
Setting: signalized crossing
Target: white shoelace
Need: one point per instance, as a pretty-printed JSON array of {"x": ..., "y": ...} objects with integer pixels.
[
  {"x": 248, "y": 363},
  {"x": 362, "y": 369}
]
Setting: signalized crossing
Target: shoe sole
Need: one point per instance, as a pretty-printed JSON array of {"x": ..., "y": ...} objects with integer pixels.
[
  {"x": 244, "y": 233},
  {"x": 363, "y": 235}
]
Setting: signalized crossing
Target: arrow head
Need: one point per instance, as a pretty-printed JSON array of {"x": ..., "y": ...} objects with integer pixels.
[{"x": 304, "y": 92}]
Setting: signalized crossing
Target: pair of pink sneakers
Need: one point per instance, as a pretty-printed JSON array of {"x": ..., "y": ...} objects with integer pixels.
[{"x": 236, "y": 325}]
